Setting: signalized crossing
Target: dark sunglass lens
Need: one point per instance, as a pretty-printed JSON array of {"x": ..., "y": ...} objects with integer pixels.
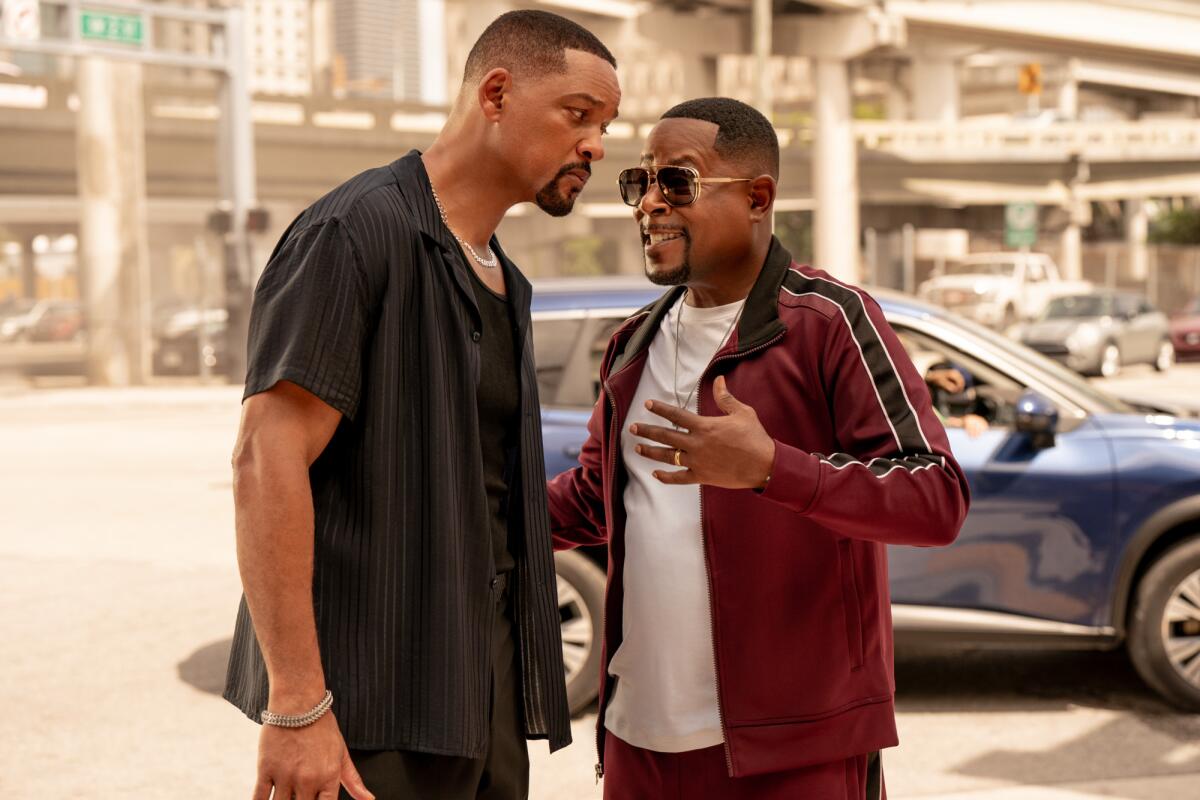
[
  {"x": 633, "y": 184},
  {"x": 677, "y": 184}
]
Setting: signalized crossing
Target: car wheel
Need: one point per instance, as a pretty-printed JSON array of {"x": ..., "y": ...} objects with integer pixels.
[
  {"x": 1009, "y": 320},
  {"x": 581, "y": 615},
  {"x": 1166, "y": 356},
  {"x": 1164, "y": 628},
  {"x": 1110, "y": 361}
]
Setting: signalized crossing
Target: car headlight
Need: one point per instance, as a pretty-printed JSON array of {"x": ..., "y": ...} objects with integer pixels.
[{"x": 1084, "y": 336}]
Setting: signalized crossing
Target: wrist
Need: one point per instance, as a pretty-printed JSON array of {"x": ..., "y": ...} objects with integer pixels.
[
  {"x": 295, "y": 699},
  {"x": 766, "y": 467}
]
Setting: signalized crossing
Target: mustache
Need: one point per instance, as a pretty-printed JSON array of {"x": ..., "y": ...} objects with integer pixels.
[{"x": 581, "y": 165}]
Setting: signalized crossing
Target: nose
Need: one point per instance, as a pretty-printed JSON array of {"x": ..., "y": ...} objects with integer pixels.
[
  {"x": 591, "y": 148},
  {"x": 652, "y": 202}
]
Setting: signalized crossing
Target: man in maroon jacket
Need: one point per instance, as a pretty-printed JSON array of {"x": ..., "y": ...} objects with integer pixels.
[{"x": 760, "y": 438}]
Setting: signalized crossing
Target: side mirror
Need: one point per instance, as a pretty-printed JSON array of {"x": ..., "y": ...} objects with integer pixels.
[{"x": 1038, "y": 417}]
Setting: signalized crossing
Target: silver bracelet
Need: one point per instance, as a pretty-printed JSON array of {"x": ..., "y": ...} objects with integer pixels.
[{"x": 300, "y": 720}]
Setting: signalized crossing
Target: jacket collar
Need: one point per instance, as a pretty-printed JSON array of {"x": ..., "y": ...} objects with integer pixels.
[
  {"x": 760, "y": 318},
  {"x": 413, "y": 181}
]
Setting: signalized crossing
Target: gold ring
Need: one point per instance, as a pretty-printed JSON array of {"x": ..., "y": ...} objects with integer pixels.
[{"x": 678, "y": 456}]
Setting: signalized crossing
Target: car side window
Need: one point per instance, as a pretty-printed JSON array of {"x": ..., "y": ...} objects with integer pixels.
[
  {"x": 982, "y": 391},
  {"x": 581, "y": 384},
  {"x": 553, "y": 342}
]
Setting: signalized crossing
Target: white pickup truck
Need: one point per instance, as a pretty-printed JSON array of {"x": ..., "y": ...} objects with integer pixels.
[{"x": 999, "y": 289}]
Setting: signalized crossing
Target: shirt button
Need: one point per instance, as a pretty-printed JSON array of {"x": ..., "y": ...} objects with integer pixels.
[
  {"x": 475, "y": 336},
  {"x": 495, "y": 582}
]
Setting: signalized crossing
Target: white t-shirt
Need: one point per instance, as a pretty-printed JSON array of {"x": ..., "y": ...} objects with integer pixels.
[{"x": 666, "y": 692}]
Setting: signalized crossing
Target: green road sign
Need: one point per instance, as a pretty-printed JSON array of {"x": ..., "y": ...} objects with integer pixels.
[
  {"x": 108, "y": 27},
  {"x": 1020, "y": 224}
]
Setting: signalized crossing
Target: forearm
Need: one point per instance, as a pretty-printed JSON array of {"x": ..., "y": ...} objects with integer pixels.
[{"x": 274, "y": 519}]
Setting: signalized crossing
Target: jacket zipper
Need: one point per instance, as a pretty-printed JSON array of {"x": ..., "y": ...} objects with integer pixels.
[
  {"x": 712, "y": 628},
  {"x": 613, "y": 433}
]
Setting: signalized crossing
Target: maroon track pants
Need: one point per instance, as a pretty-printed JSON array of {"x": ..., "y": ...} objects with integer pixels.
[{"x": 631, "y": 773}]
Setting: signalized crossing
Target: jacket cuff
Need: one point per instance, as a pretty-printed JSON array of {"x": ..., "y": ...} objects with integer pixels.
[{"x": 795, "y": 478}]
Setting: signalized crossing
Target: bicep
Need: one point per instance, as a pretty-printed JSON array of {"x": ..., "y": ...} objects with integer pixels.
[{"x": 286, "y": 421}]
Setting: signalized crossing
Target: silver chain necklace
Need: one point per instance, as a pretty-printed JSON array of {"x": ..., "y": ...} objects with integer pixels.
[
  {"x": 490, "y": 262},
  {"x": 678, "y": 333}
]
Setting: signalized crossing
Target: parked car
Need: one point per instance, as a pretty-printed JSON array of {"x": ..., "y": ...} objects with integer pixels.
[
  {"x": 1084, "y": 529},
  {"x": 18, "y": 317},
  {"x": 999, "y": 289},
  {"x": 1185, "y": 331},
  {"x": 59, "y": 321},
  {"x": 1097, "y": 333},
  {"x": 178, "y": 349}
]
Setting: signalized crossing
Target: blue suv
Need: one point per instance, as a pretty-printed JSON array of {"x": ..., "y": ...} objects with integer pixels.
[{"x": 1084, "y": 529}]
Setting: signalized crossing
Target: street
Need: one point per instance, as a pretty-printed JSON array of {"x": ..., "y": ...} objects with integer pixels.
[{"x": 120, "y": 589}]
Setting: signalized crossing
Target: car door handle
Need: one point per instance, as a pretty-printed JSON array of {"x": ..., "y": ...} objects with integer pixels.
[{"x": 572, "y": 451}]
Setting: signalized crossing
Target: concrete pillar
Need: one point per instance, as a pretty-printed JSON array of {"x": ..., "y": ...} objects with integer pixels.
[
  {"x": 935, "y": 88},
  {"x": 1137, "y": 231},
  {"x": 835, "y": 172},
  {"x": 1068, "y": 93},
  {"x": 1070, "y": 261},
  {"x": 114, "y": 249}
]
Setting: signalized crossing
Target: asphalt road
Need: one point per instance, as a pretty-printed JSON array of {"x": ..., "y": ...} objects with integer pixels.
[{"x": 120, "y": 586}]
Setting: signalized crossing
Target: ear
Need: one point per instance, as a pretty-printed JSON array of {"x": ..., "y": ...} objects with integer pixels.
[
  {"x": 493, "y": 93},
  {"x": 762, "y": 197}
]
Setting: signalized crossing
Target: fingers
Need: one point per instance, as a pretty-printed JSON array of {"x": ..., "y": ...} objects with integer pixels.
[
  {"x": 262, "y": 789},
  {"x": 282, "y": 792},
  {"x": 677, "y": 478},
  {"x": 664, "y": 454},
  {"x": 675, "y": 414},
  {"x": 661, "y": 435},
  {"x": 353, "y": 781},
  {"x": 725, "y": 399}
]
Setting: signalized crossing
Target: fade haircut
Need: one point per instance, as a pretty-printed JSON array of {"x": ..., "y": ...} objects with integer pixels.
[
  {"x": 530, "y": 42},
  {"x": 744, "y": 135}
]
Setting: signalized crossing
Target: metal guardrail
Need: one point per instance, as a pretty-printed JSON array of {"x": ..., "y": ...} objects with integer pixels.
[{"x": 1095, "y": 141}]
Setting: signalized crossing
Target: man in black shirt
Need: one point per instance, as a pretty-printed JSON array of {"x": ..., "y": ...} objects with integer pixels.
[{"x": 392, "y": 529}]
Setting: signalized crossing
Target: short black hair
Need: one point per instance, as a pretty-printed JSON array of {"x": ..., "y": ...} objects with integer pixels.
[
  {"x": 744, "y": 134},
  {"x": 530, "y": 42}
]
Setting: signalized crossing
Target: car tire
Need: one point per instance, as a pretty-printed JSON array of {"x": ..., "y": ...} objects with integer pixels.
[
  {"x": 1166, "y": 356},
  {"x": 1166, "y": 650},
  {"x": 1009, "y": 320},
  {"x": 1110, "y": 361},
  {"x": 581, "y": 587}
]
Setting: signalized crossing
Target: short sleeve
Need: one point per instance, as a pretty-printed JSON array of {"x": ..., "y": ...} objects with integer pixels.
[{"x": 309, "y": 321}]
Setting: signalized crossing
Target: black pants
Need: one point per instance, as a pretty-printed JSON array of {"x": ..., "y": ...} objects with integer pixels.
[{"x": 502, "y": 774}]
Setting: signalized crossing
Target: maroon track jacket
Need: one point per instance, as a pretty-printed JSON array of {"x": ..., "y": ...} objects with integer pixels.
[{"x": 802, "y": 627}]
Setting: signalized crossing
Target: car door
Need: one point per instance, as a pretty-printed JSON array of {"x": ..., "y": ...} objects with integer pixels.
[{"x": 1034, "y": 539}]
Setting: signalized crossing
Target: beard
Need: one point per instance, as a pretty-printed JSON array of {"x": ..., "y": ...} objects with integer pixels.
[
  {"x": 676, "y": 276},
  {"x": 552, "y": 200}
]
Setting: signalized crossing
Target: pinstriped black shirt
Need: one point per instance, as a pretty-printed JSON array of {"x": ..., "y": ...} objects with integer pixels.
[{"x": 367, "y": 303}]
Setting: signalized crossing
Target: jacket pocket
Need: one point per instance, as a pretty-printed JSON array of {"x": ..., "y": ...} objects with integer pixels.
[{"x": 850, "y": 603}]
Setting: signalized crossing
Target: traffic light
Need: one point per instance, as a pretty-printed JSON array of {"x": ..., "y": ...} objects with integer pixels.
[{"x": 1029, "y": 80}]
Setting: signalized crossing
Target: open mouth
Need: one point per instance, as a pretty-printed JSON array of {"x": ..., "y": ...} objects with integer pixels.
[{"x": 656, "y": 240}]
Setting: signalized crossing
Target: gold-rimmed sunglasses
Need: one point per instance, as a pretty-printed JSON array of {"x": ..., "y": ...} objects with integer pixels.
[{"x": 680, "y": 186}]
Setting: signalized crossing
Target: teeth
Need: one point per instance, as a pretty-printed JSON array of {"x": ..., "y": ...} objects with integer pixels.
[{"x": 659, "y": 238}]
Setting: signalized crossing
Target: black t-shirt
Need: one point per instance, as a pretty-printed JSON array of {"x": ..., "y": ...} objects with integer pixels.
[{"x": 498, "y": 399}]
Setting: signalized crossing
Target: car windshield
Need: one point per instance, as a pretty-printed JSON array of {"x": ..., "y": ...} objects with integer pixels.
[
  {"x": 1082, "y": 305},
  {"x": 1002, "y": 268}
]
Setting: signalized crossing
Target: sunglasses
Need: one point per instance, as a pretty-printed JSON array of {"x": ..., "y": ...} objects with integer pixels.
[{"x": 680, "y": 186}]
